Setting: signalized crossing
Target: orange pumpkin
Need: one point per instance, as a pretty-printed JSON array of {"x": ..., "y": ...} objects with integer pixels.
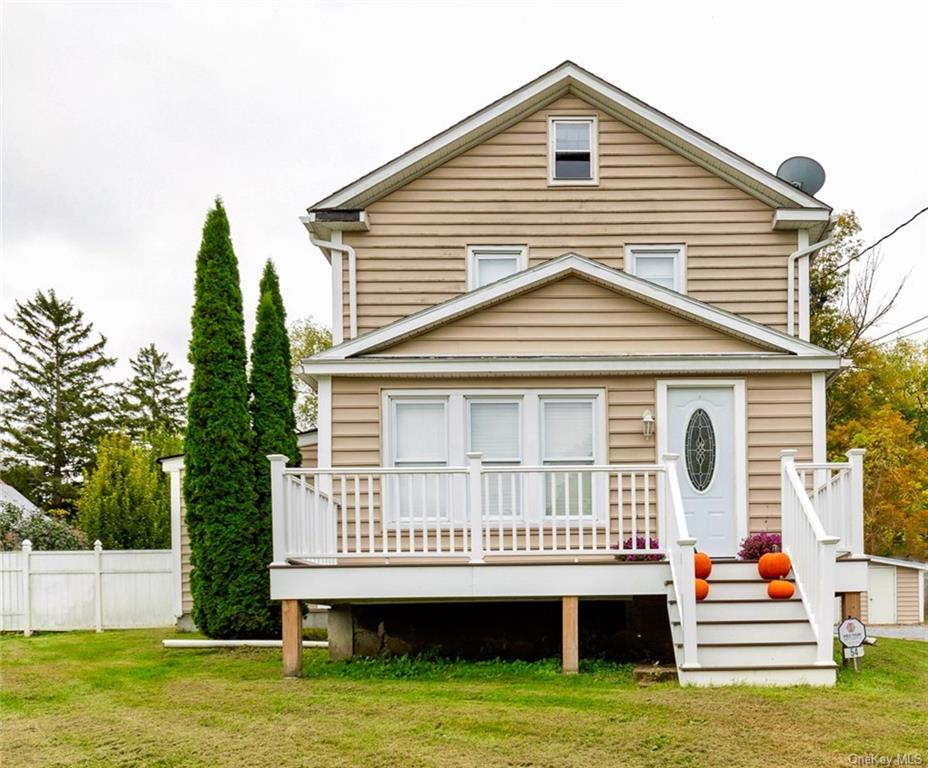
[
  {"x": 703, "y": 565},
  {"x": 780, "y": 590},
  {"x": 774, "y": 565},
  {"x": 702, "y": 589}
]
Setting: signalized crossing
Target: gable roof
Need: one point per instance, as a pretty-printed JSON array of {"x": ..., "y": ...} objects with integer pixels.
[
  {"x": 568, "y": 77},
  {"x": 549, "y": 271}
]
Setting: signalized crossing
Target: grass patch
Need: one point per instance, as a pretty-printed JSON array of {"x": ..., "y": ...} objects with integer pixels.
[{"x": 120, "y": 699}]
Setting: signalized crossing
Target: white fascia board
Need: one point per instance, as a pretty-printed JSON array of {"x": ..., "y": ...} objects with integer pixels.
[
  {"x": 919, "y": 566},
  {"x": 567, "y": 366},
  {"x": 561, "y": 78},
  {"x": 660, "y": 297},
  {"x": 800, "y": 218},
  {"x": 310, "y": 437},
  {"x": 324, "y": 228},
  {"x": 462, "y": 581},
  {"x": 172, "y": 464}
]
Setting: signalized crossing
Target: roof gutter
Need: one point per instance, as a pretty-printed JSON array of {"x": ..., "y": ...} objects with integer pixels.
[
  {"x": 790, "y": 279},
  {"x": 330, "y": 245}
]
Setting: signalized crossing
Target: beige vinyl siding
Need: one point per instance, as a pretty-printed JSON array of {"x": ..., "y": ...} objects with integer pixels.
[
  {"x": 186, "y": 596},
  {"x": 309, "y": 455},
  {"x": 907, "y": 595},
  {"x": 779, "y": 415},
  {"x": 570, "y": 316},
  {"x": 414, "y": 254}
]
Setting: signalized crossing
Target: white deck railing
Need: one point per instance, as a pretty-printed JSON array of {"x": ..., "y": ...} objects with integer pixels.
[
  {"x": 812, "y": 552},
  {"x": 473, "y": 511},
  {"x": 836, "y": 491}
]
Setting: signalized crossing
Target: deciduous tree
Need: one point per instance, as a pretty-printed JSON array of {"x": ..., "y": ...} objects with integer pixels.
[{"x": 307, "y": 338}]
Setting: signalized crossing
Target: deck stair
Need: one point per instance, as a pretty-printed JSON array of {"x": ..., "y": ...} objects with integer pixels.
[{"x": 744, "y": 637}]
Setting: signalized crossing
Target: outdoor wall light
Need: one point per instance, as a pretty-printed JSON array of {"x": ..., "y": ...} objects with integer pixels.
[{"x": 647, "y": 423}]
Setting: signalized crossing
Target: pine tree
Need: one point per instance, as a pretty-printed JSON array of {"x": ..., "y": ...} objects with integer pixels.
[
  {"x": 229, "y": 572},
  {"x": 56, "y": 405},
  {"x": 153, "y": 399},
  {"x": 271, "y": 404}
]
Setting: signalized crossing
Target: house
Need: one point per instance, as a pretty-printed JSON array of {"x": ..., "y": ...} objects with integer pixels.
[
  {"x": 9, "y": 495},
  {"x": 572, "y": 348}
]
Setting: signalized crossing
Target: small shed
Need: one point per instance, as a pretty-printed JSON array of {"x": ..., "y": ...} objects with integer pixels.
[{"x": 896, "y": 591}]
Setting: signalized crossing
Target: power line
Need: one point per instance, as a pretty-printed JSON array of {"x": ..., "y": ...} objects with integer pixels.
[
  {"x": 901, "y": 328},
  {"x": 843, "y": 264},
  {"x": 904, "y": 336}
]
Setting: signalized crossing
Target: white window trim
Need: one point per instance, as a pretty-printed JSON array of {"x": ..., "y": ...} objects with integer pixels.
[
  {"x": 531, "y": 444},
  {"x": 679, "y": 268},
  {"x": 479, "y": 250},
  {"x": 415, "y": 401},
  {"x": 593, "y": 120}
]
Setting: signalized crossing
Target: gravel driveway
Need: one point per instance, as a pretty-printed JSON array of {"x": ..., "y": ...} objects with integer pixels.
[{"x": 903, "y": 631}]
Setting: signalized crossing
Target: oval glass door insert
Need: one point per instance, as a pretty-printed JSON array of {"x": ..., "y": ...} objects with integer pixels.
[{"x": 700, "y": 450}]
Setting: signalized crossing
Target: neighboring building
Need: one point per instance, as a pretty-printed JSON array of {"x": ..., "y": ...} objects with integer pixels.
[
  {"x": 9, "y": 495},
  {"x": 180, "y": 541},
  {"x": 569, "y": 329},
  {"x": 895, "y": 591}
]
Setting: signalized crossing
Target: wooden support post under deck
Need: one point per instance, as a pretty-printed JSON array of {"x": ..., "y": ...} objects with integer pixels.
[
  {"x": 570, "y": 635},
  {"x": 850, "y": 605},
  {"x": 292, "y": 626}
]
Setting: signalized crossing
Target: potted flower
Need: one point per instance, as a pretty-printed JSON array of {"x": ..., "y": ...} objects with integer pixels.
[
  {"x": 757, "y": 545},
  {"x": 640, "y": 544}
]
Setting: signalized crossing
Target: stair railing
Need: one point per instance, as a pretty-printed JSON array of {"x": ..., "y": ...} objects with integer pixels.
[
  {"x": 681, "y": 552},
  {"x": 812, "y": 552}
]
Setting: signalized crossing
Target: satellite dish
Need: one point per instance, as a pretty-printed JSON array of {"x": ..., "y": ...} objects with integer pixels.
[{"x": 804, "y": 173}]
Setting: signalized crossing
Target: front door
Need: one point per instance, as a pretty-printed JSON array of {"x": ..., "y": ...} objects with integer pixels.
[{"x": 701, "y": 429}]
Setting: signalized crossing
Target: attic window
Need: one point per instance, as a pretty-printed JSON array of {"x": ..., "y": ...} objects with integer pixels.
[
  {"x": 488, "y": 263},
  {"x": 572, "y": 150},
  {"x": 664, "y": 265}
]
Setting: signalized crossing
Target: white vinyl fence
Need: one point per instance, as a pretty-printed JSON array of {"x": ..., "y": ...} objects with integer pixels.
[{"x": 116, "y": 589}]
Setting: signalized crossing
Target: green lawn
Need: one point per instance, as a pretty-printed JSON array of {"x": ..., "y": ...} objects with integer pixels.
[{"x": 119, "y": 699}]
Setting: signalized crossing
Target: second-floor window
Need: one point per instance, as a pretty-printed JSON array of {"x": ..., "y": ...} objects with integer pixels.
[
  {"x": 488, "y": 263},
  {"x": 664, "y": 265},
  {"x": 572, "y": 150}
]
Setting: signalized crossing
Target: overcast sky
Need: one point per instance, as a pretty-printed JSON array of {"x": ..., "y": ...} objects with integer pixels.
[{"x": 121, "y": 122}]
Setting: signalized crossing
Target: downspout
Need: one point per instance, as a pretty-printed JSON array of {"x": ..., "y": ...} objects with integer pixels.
[
  {"x": 791, "y": 279},
  {"x": 352, "y": 279}
]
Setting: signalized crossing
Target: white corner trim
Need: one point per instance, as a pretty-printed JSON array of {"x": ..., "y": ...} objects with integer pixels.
[
  {"x": 324, "y": 421},
  {"x": 819, "y": 418},
  {"x": 548, "y": 271},
  {"x": 174, "y": 466},
  {"x": 804, "y": 263},
  {"x": 739, "y": 391},
  {"x": 479, "y": 251},
  {"x": 677, "y": 250},
  {"x": 560, "y": 78},
  {"x": 593, "y": 122}
]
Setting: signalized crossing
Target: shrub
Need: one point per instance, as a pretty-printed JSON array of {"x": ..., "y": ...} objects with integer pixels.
[
  {"x": 125, "y": 502},
  {"x": 758, "y": 544},
  {"x": 640, "y": 543},
  {"x": 44, "y": 531}
]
